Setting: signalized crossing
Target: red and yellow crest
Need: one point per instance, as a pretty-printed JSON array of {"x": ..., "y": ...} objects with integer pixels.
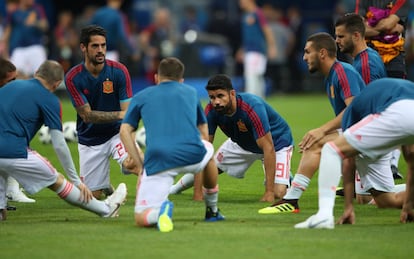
[
  {"x": 108, "y": 87},
  {"x": 242, "y": 127}
]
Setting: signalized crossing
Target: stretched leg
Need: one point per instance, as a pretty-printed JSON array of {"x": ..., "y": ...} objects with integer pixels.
[
  {"x": 185, "y": 182},
  {"x": 210, "y": 191},
  {"x": 70, "y": 193},
  {"x": 308, "y": 165},
  {"x": 330, "y": 171},
  {"x": 388, "y": 199},
  {"x": 14, "y": 193}
]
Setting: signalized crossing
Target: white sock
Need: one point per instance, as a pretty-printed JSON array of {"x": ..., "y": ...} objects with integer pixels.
[
  {"x": 299, "y": 184},
  {"x": 330, "y": 171},
  {"x": 396, "y": 153},
  {"x": 185, "y": 182},
  {"x": 151, "y": 216},
  {"x": 211, "y": 198},
  {"x": 399, "y": 188},
  {"x": 12, "y": 185},
  {"x": 71, "y": 194}
]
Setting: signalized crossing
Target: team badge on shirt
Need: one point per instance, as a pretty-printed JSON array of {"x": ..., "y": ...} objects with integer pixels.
[
  {"x": 242, "y": 127},
  {"x": 108, "y": 86}
]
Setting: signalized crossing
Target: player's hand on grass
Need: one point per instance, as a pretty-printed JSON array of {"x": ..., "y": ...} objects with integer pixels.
[
  {"x": 86, "y": 194},
  {"x": 348, "y": 217},
  {"x": 310, "y": 138},
  {"x": 407, "y": 214},
  {"x": 268, "y": 196}
]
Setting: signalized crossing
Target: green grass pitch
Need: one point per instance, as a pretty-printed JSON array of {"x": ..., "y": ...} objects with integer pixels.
[{"x": 51, "y": 228}]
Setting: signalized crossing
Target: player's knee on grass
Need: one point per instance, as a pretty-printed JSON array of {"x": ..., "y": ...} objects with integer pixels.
[{"x": 386, "y": 199}]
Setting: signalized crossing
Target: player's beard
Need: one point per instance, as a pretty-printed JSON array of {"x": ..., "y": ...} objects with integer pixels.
[
  {"x": 347, "y": 48},
  {"x": 314, "y": 66},
  {"x": 97, "y": 59},
  {"x": 224, "y": 110}
]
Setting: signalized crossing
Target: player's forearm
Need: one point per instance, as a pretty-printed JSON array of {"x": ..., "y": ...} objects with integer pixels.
[
  {"x": 126, "y": 133},
  {"x": 64, "y": 156},
  {"x": 348, "y": 176},
  {"x": 203, "y": 128},
  {"x": 102, "y": 116},
  {"x": 331, "y": 125},
  {"x": 270, "y": 169}
]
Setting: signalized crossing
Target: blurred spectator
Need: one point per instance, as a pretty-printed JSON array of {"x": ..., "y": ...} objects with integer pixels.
[
  {"x": 296, "y": 68},
  {"x": 409, "y": 45},
  {"x": 191, "y": 20},
  {"x": 220, "y": 24},
  {"x": 10, "y": 7},
  {"x": 111, "y": 18},
  {"x": 141, "y": 13},
  {"x": 284, "y": 39},
  {"x": 65, "y": 48},
  {"x": 385, "y": 31},
  {"x": 24, "y": 37},
  {"x": 84, "y": 18},
  {"x": 158, "y": 41},
  {"x": 258, "y": 44}
]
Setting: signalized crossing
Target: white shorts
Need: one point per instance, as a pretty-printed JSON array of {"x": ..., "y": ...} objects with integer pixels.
[
  {"x": 254, "y": 70},
  {"x": 379, "y": 134},
  {"x": 33, "y": 174},
  {"x": 153, "y": 190},
  {"x": 234, "y": 160},
  {"x": 94, "y": 162},
  {"x": 28, "y": 59},
  {"x": 373, "y": 174}
]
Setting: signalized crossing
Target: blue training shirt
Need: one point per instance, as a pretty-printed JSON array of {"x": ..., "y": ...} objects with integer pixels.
[
  {"x": 104, "y": 93},
  {"x": 377, "y": 96},
  {"x": 342, "y": 82},
  {"x": 23, "y": 35},
  {"x": 113, "y": 22},
  {"x": 24, "y": 106},
  {"x": 253, "y": 119},
  {"x": 252, "y": 33},
  {"x": 171, "y": 112},
  {"x": 370, "y": 65}
]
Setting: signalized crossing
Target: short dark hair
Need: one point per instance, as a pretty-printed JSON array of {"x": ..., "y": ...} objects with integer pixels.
[
  {"x": 218, "y": 82},
  {"x": 6, "y": 67},
  {"x": 91, "y": 30},
  {"x": 353, "y": 23},
  {"x": 171, "y": 68},
  {"x": 323, "y": 40}
]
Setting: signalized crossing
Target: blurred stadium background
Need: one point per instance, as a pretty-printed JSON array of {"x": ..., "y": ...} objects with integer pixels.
[{"x": 206, "y": 36}]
